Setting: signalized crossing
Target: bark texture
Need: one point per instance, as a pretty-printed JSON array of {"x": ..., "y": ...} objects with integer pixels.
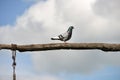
[{"x": 56, "y": 46}]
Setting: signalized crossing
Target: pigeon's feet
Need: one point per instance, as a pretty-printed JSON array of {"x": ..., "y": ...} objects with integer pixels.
[{"x": 65, "y": 42}]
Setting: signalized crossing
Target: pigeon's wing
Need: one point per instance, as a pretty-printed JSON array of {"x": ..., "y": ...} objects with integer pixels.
[{"x": 63, "y": 36}]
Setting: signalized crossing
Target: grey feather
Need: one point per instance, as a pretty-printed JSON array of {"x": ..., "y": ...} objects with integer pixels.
[{"x": 65, "y": 36}]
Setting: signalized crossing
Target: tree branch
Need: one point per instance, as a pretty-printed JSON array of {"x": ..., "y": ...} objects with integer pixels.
[{"x": 57, "y": 46}]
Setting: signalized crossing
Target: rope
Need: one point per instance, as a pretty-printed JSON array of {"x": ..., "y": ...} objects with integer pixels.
[{"x": 14, "y": 47}]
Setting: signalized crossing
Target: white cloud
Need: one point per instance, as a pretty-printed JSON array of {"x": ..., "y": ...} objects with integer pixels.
[
  {"x": 32, "y": 77},
  {"x": 45, "y": 20},
  {"x": 46, "y": 77},
  {"x": 108, "y": 8}
]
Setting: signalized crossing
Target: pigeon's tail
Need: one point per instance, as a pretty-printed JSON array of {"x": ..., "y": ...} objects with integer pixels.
[{"x": 55, "y": 38}]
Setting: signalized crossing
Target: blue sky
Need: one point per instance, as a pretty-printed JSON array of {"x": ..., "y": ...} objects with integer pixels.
[
  {"x": 11, "y": 9},
  {"x": 33, "y": 20}
]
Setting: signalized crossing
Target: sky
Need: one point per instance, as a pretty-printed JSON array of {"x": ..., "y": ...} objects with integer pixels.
[{"x": 36, "y": 21}]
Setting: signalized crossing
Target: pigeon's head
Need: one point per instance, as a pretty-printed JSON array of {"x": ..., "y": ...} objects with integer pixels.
[{"x": 71, "y": 27}]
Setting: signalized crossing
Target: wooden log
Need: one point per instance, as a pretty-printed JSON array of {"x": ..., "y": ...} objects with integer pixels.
[{"x": 56, "y": 46}]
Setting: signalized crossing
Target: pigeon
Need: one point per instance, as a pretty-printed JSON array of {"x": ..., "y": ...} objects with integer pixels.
[{"x": 65, "y": 36}]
